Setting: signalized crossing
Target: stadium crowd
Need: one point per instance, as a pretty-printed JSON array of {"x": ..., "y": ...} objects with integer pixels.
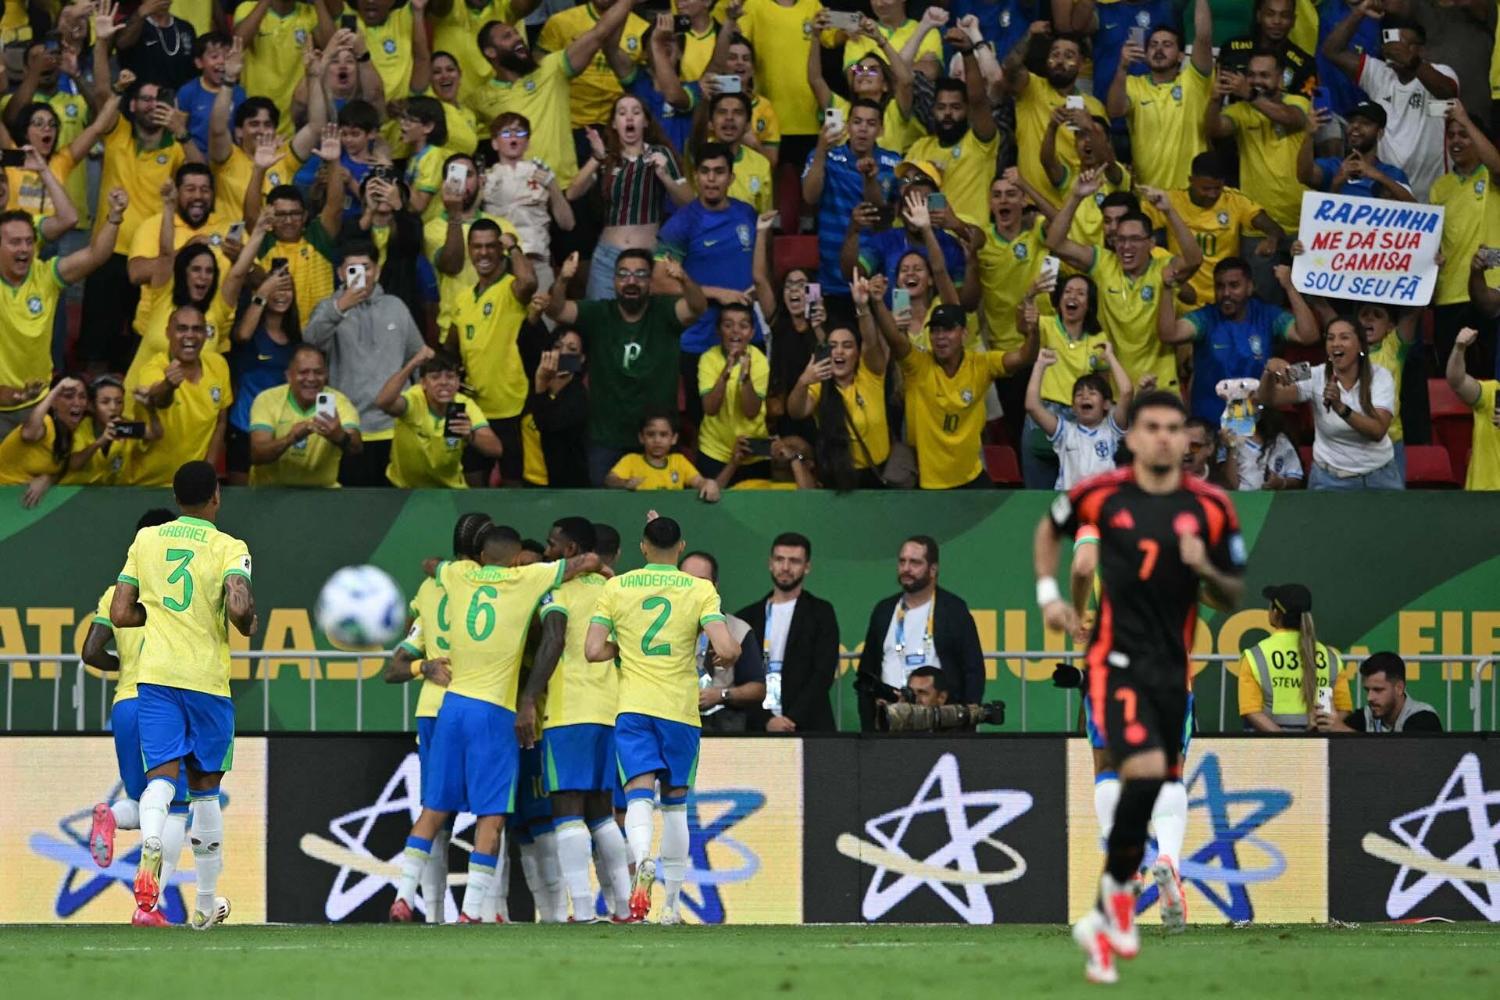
[{"x": 757, "y": 244}]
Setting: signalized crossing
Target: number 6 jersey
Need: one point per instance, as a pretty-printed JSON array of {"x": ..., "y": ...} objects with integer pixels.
[
  {"x": 655, "y": 613},
  {"x": 180, "y": 568},
  {"x": 489, "y": 613}
]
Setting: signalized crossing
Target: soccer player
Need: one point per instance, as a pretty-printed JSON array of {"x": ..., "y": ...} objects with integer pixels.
[
  {"x": 474, "y": 753},
  {"x": 578, "y": 744},
  {"x": 420, "y": 654},
  {"x": 650, "y": 618},
  {"x": 186, "y": 582},
  {"x": 1163, "y": 538},
  {"x": 124, "y": 813}
]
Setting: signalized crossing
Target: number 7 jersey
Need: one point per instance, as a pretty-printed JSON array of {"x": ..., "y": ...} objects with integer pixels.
[
  {"x": 180, "y": 568},
  {"x": 655, "y": 613}
]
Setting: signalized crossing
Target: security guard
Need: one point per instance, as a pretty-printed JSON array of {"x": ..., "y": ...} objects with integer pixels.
[{"x": 1278, "y": 687}]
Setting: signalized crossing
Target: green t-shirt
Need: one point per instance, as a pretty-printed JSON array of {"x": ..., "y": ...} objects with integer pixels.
[{"x": 633, "y": 367}]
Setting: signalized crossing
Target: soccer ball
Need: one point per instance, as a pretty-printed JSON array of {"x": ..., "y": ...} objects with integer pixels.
[{"x": 361, "y": 607}]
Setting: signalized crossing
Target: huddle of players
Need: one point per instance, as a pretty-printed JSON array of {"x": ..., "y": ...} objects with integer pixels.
[
  {"x": 613, "y": 676},
  {"x": 1165, "y": 540},
  {"x": 183, "y": 584}
]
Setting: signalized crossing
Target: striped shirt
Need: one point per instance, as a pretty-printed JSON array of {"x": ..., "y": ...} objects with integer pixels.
[{"x": 633, "y": 194}]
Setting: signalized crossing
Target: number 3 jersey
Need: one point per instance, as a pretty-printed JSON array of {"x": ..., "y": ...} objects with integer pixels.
[
  {"x": 489, "y": 614},
  {"x": 655, "y": 613},
  {"x": 180, "y": 568},
  {"x": 1148, "y": 607}
]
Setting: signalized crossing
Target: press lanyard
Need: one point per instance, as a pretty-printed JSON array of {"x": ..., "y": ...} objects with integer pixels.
[
  {"x": 901, "y": 625},
  {"x": 772, "y": 701},
  {"x": 765, "y": 643}
]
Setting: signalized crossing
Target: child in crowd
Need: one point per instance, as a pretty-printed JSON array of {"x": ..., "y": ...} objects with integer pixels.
[
  {"x": 1086, "y": 440},
  {"x": 659, "y": 467}
]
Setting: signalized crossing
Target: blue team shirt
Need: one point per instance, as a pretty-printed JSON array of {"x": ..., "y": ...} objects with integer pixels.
[
  {"x": 1343, "y": 93},
  {"x": 198, "y": 101},
  {"x": 843, "y": 189},
  {"x": 678, "y": 125},
  {"x": 881, "y": 253},
  {"x": 1359, "y": 187},
  {"x": 1115, "y": 22},
  {"x": 1225, "y": 348},
  {"x": 716, "y": 247},
  {"x": 1003, "y": 22},
  {"x": 307, "y": 176},
  {"x": 257, "y": 366}
]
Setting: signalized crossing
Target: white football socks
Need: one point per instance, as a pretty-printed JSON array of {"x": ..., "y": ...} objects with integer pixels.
[
  {"x": 612, "y": 861},
  {"x": 531, "y": 871},
  {"x": 490, "y": 905},
  {"x": 552, "y": 880},
  {"x": 155, "y": 801},
  {"x": 573, "y": 850},
  {"x": 172, "y": 835},
  {"x": 127, "y": 814},
  {"x": 435, "y": 879},
  {"x": 1169, "y": 820},
  {"x": 1106, "y": 797},
  {"x": 639, "y": 820},
  {"x": 208, "y": 856},
  {"x": 674, "y": 850},
  {"x": 413, "y": 861},
  {"x": 481, "y": 877}
]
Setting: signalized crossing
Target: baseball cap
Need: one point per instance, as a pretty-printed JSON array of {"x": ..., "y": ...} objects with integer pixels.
[
  {"x": 1288, "y": 598},
  {"x": 908, "y": 169},
  {"x": 1370, "y": 112},
  {"x": 948, "y": 317}
]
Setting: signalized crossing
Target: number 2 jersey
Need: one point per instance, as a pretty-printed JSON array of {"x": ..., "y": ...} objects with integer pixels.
[
  {"x": 1148, "y": 605},
  {"x": 655, "y": 613},
  {"x": 180, "y": 568},
  {"x": 489, "y": 615}
]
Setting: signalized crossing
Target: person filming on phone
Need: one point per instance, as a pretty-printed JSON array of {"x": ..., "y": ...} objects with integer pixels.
[
  {"x": 300, "y": 431},
  {"x": 367, "y": 334},
  {"x": 435, "y": 424}
]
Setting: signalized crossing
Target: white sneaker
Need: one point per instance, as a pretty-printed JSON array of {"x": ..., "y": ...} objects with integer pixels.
[
  {"x": 1092, "y": 937},
  {"x": 1118, "y": 901},
  {"x": 669, "y": 918},
  {"x": 207, "y": 921},
  {"x": 1169, "y": 892}
]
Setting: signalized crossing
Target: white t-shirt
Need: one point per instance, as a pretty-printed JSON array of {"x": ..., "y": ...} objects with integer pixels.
[
  {"x": 778, "y": 624},
  {"x": 1256, "y": 462},
  {"x": 516, "y": 193},
  {"x": 1337, "y": 445},
  {"x": 1084, "y": 451},
  {"x": 916, "y": 645},
  {"x": 1413, "y": 139}
]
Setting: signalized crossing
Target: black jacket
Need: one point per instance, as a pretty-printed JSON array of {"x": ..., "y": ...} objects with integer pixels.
[
  {"x": 810, "y": 661},
  {"x": 955, "y": 639}
]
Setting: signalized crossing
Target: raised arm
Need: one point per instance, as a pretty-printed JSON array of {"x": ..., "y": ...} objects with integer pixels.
[
  {"x": 1459, "y": 380},
  {"x": 583, "y": 48},
  {"x": 981, "y": 118},
  {"x": 559, "y": 307},
  {"x": 761, "y": 263},
  {"x": 81, "y": 263},
  {"x": 874, "y": 353},
  {"x": 1203, "y": 37},
  {"x": 220, "y": 139},
  {"x": 1035, "y": 408},
  {"x": 1075, "y": 255},
  {"x": 812, "y": 179},
  {"x": 1305, "y": 331},
  {"x": 391, "y": 397},
  {"x": 1336, "y": 47}
]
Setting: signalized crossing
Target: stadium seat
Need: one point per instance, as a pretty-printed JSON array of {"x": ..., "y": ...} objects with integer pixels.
[
  {"x": 789, "y": 198},
  {"x": 1452, "y": 425},
  {"x": 1002, "y": 465},
  {"x": 1427, "y": 465},
  {"x": 1304, "y": 454},
  {"x": 788, "y": 252}
]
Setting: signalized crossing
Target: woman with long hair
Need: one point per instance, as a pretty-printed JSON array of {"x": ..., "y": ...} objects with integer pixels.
[
  {"x": 1352, "y": 404},
  {"x": 885, "y": 79},
  {"x": 265, "y": 339},
  {"x": 636, "y": 172},
  {"x": 854, "y": 437},
  {"x": 192, "y": 279},
  {"x": 105, "y": 443},
  {"x": 1074, "y": 335},
  {"x": 796, "y": 330},
  {"x": 1284, "y": 677},
  {"x": 36, "y": 453}
]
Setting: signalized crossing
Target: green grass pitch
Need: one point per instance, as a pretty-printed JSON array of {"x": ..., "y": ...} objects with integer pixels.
[{"x": 729, "y": 963}]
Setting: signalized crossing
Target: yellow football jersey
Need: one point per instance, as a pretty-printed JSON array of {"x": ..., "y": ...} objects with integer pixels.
[
  {"x": 1484, "y": 463},
  {"x": 26, "y": 327},
  {"x": 421, "y": 454},
  {"x": 1268, "y": 160},
  {"x": 1007, "y": 269},
  {"x": 127, "y": 647},
  {"x": 677, "y": 474},
  {"x": 1166, "y": 125},
  {"x": 968, "y": 169},
  {"x": 427, "y": 638},
  {"x": 489, "y": 323},
  {"x": 579, "y": 691},
  {"x": 490, "y": 609},
  {"x": 1217, "y": 230},
  {"x": 594, "y": 88},
  {"x": 1127, "y": 310},
  {"x": 180, "y": 568},
  {"x": 945, "y": 416},
  {"x": 655, "y": 613}
]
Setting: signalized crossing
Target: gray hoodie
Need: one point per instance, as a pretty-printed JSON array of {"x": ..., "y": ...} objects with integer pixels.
[{"x": 365, "y": 346}]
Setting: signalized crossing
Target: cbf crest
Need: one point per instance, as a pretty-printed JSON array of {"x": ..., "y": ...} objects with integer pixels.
[{"x": 743, "y": 232}]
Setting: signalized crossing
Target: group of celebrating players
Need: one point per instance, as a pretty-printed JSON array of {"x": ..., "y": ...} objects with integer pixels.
[{"x": 614, "y": 682}]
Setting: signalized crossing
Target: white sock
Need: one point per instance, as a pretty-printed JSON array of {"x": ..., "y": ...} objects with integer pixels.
[
  {"x": 674, "y": 851},
  {"x": 413, "y": 860},
  {"x": 1169, "y": 818},
  {"x": 490, "y": 905},
  {"x": 573, "y": 849},
  {"x": 552, "y": 880},
  {"x": 1106, "y": 797},
  {"x": 481, "y": 877},
  {"x": 502, "y": 881},
  {"x": 172, "y": 836},
  {"x": 127, "y": 814},
  {"x": 601, "y": 872},
  {"x": 639, "y": 820},
  {"x": 208, "y": 842},
  {"x": 155, "y": 801},
  {"x": 531, "y": 871},
  {"x": 613, "y": 862},
  {"x": 435, "y": 879}
]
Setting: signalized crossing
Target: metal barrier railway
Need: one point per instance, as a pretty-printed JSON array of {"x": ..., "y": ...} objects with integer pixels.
[{"x": 1483, "y": 670}]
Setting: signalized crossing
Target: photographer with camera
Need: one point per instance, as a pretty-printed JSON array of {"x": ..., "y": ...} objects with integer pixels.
[{"x": 923, "y": 626}]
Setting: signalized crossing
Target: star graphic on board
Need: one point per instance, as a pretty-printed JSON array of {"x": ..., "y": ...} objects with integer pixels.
[
  {"x": 737, "y": 804},
  {"x": 83, "y": 881},
  {"x": 1218, "y": 861},
  {"x": 1470, "y": 866},
  {"x": 956, "y": 862}
]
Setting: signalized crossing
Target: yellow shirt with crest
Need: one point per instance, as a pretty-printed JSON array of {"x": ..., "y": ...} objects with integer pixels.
[
  {"x": 579, "y": 691},
  {"x": 490, "y": 610}
]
